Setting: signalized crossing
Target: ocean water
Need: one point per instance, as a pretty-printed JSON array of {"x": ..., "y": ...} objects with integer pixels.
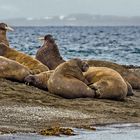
[
  {"x": 116, "y": 44},
  {"x": 109, "y": 132}
]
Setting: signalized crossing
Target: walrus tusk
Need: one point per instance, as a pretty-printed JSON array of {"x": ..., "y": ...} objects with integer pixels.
[
  {"x": 9, "y": 28},
  {"x": 41, "y": 38},
  {"x": 26, "y": 83}
]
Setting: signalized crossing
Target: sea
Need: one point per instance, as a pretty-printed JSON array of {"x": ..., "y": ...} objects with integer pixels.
[{"x": 118, "y": 44}]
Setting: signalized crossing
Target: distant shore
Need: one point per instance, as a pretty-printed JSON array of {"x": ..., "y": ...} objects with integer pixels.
[{"x": 76, "y": 20}]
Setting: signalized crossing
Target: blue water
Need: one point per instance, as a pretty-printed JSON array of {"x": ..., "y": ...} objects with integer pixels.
[{"x": 117, "y": 44}]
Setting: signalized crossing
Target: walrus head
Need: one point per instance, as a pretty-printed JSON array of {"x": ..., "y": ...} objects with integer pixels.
[
  {"x": 82, "y": 64},
  {"x": 5, "y": 27},
  {"x": 47, "y": 38},
  {"x": 31, "y": 80},
  {"x": 35, "y": 81},
  {"x": 85, "y": 66}
]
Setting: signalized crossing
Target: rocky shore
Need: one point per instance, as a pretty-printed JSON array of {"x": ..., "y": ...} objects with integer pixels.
[{"x": 26, "y": 108}]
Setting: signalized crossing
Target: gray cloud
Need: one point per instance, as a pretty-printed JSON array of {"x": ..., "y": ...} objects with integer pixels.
[{"x": 8, "y": 11}]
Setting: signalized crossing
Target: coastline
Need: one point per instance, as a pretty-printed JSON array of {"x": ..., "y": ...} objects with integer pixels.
[{"x": 26, "y": 109}]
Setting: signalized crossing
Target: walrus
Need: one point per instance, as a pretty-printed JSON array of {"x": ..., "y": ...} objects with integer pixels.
[
  {"x": 34, "y": 65},
  {"x": 3, "y": 29},
  {"x": 39, "y": 80},
  {"x": 13, "y": 70},
  {"x": 107, "y": 82},
  {"x": 130, "y": 76},
  {"x": 68, "y": 81},
  {"x": 49, "y": 53}
]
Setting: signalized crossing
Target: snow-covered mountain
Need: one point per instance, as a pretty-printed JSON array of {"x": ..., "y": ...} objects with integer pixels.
[{"x": 75, "y": 20}]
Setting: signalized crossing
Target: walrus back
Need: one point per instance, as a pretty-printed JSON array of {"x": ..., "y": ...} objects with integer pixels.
[
  {"x": 13, "y": 70},
  {"x": 34, "y": 65},
  {"x": 128, "y": 75},
  {"x": 108, "y": 83}
]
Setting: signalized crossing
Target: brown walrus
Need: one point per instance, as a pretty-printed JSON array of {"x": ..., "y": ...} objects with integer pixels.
[
  {"x": 3, "y": 29},
  {"x": 68, "y": 81},
  {"x": 49, "y": 53},
  {"x": 39, "y": 80},
  {"x": 34, "y": 65},
  {"x": 107, "y": 82},
  {"x": 13, "y": 70},
  {"x": 128, "y": 75}
]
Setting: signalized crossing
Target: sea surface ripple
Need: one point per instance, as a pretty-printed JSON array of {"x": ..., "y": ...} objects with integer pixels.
[{"x": 116, "y": 44}]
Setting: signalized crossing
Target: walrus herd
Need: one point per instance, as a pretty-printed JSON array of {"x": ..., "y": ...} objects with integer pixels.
[{"x": 71, "y": 79}]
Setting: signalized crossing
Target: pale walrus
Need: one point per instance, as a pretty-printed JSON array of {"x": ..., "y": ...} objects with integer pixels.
[
  {"x": 34, "y": 65},
  {"x": 13, "y": 70},
  {"x": 39, "y": 80},
  {"x": 3, "y": 29},
  {"x": 68, "y": 81},
  {"x": 128, "y": 75},
  {"x": 107, "y": 82},
  {"x": 49, "y": 53}
]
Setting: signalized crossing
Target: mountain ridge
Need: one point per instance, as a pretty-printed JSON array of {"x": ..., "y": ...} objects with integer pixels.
[{"x": 76, "y": 20}]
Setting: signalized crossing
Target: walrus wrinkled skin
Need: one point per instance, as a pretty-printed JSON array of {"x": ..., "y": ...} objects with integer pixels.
[
  {"x": 49, "y": 53},
  {"x": 34, "y": 65},
  {"x": 68, "y": 81},
  {"x": 39, "y": 80},
  {"x": 13, "y": 70},
  {"x": 128, "y": 75},
  {"x": 3, "y": 29},
  {"x": 107, "y": 82}
]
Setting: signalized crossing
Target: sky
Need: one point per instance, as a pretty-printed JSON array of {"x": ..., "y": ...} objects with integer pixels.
[{"x": 44, "y": 8}]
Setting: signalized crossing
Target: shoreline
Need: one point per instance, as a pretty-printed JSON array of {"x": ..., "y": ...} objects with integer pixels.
[{"x": 27, "y": 109}]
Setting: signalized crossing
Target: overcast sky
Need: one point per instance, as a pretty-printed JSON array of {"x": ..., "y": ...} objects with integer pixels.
[{"x": 43, "y": 8}]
